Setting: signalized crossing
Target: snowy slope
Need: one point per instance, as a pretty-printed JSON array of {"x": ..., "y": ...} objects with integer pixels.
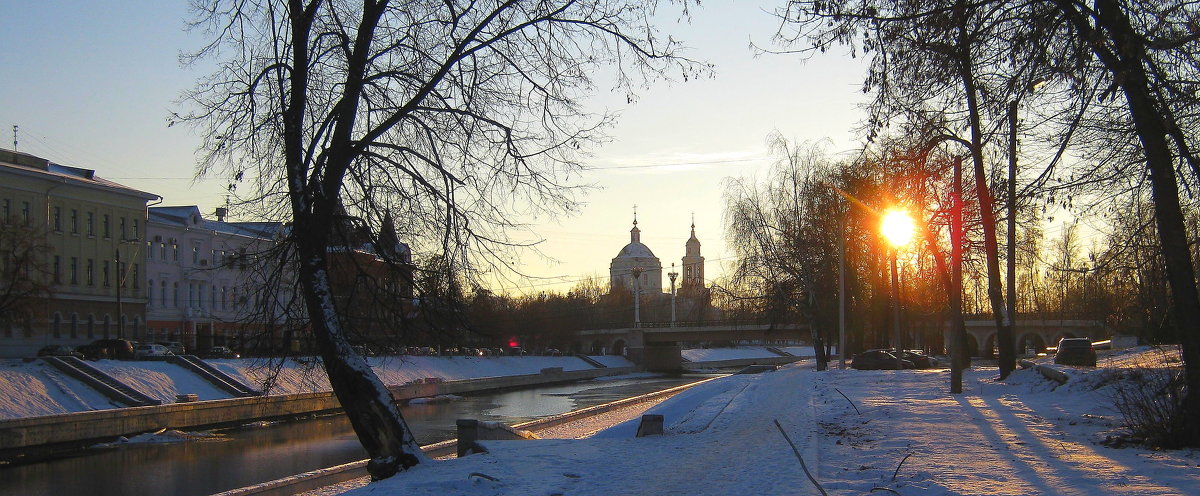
[{"x": 34, "y": 388}]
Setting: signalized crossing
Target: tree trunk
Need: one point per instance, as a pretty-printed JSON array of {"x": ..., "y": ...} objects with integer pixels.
[
  {"x": 1128, "y": 70},
  {"x": 368, "y": 404},
  {"x": 1004, "y": 338}
]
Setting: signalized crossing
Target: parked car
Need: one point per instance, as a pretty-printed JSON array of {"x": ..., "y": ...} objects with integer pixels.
[
  {"x": 1075, "y": 351},
  {"x": 919, "y": 360},
  {"x": 879, "y": 360},
  {"x": 174, "y": 347},
  {"x": 119, "y": 349},
  {"x": 143, "y": 351},
  {"x": 59, "y": 350},
  {"x": 220, "y": 352}
]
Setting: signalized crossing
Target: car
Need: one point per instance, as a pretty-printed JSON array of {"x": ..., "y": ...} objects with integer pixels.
[
  {"x": 879, "y": 360},
  {"x": 174, "y": 347},
  {"x": 919, "y": 360},
  {"x": 119, "y": 349},
  {"x": 1075, "y": 351},
  {"x": 143, "y": 351},
  {"x": 220, "y": 352},
  {"x": 59, "y": 350}
]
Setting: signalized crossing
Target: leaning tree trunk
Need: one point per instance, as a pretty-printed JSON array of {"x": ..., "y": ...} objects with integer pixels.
[
  {"x": 1126, "y": 64},
  {"x": 367, "y": 402}
]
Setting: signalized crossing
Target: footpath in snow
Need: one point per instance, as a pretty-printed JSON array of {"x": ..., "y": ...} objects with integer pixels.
[{"x": 1024, "y": 436}]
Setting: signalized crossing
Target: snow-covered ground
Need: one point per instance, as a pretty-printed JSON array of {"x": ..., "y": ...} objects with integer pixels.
[
  {"x": 718, "y": 354},
  {"x": 908, "y": 436},
  {"x": 35, "y": 388}
]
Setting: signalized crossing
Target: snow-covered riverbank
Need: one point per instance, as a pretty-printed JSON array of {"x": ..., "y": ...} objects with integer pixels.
[{"x": 35, "y": 388}]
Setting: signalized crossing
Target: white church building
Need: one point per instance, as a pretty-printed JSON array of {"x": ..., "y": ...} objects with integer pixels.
[{"x": 637, "y": 257}]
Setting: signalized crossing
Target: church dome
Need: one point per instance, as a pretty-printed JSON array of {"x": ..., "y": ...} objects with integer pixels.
[{"x": 635, "y": 250}]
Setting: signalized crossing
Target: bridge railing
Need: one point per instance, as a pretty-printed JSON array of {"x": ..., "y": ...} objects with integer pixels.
[{"x": 692, "y": 323}]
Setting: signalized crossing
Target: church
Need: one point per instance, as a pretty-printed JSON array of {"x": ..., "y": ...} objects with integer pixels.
[{"x": 637, "y": 260}]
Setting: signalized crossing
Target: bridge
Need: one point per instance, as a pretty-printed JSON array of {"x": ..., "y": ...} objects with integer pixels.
[
  {"x": 1032, "y": 335},
  {"x": 650, "y": 342}
]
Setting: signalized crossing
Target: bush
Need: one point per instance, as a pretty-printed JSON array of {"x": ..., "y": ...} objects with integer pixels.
[{"x": 1151, "y": 402}]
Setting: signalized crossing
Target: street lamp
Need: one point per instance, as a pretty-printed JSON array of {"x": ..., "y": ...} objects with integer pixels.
[
  {"x": 637, "y": 296},
  {"x": 672, "y": 275},
  {"x": 897, "y": 227},
  {"x": 121, "y": 276}
]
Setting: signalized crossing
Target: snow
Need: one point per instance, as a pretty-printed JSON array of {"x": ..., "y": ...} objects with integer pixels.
[
  {"x": 35, "y": 388},
  {"x": 718, "y": 354},
  {"x": 909, "y": 436}
]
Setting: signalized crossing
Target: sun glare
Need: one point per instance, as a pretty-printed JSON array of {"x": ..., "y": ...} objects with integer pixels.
[{"x": 897, "y": 227}]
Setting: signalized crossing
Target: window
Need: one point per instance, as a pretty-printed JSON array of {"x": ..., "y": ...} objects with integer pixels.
[
  {"x": 162, "y": 296},
  {"x": 175, "y": 298},
  {"x": 58, "y": 219},
  {"x": 212, "y": 301},
  {"x": 7, "y": 209},
  {"x": 74, "y": 325},
  {"x": 121, "y": 226},
  {"x": 91, "y": 224},
  {"x": 107, "y": 226},
  {"x": 91, "y": 273},
  {"x": 195, "y": 255},
  {"x": 25, "y": 212},
  {"x": 137, "y": 230},
  {"x": 150, "y": 300},
  {"x": 57, "y": 269},
  {"x": 105, "y": 277},
  {"x": 74, "y": 221},
  {"x": 91, "y": 326},
  {"x": 137, "y": 280},
  {"x": 175, "y": 251},
  {"x": 57, "y": 325},
  {"x": 162, "y": 251},
  {"x": 149, "y": 251},
  {"x": 74, "y": 270}
]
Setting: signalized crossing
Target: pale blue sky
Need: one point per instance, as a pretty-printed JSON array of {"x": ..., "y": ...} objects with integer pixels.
[{"x": 91, "y": 84}]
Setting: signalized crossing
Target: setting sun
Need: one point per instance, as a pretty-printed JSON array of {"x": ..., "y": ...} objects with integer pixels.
[{"x": 897, "y": 227}]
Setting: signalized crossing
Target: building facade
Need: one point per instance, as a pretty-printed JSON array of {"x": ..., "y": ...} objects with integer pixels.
[
  {"x": 75, "y": 240},
  {"x": 205, "y": 286}
]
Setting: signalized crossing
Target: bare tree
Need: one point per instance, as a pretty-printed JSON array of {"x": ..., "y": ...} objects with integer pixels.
[
  {"x": 455, "y": 117},
  {"x": 25, "y": 274}
]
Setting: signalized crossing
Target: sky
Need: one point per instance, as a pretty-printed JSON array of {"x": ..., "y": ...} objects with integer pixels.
[{"x": 91, "y": 85}]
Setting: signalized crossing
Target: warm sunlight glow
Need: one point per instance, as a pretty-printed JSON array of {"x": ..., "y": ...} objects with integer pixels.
[{"x": 897, "y": 227}]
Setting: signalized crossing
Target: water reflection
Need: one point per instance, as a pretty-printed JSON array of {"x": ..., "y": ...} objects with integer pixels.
[{"x": 258, "y": 453}]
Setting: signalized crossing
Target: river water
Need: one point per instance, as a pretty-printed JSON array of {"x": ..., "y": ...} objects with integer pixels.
[{"x": 261, "y": 452}]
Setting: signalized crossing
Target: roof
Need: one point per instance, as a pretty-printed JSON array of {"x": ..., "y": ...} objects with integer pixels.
[
  {"x": 24, "y": 163},
  {"x": 635, "y": 250},
  {"x": 190, "y": 216}
]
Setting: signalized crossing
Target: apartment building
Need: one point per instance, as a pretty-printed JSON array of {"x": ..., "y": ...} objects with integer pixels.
[{"x": 72, "y": 255}]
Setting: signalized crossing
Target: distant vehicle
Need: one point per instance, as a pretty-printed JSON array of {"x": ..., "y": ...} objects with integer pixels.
[
  {"x": 919, "y": 360},
  {"x": 220, "y": 352},
  {"x": 552, "y": 352},
  {"x": 143, "y": 351},
  {"x": 879, "y": 360},
  {"x": 59, "y": 350},
  {"x": 1075, "y": 351},
  {"x": 119, "y": 349},
  {"x": 174, "y": 347}
]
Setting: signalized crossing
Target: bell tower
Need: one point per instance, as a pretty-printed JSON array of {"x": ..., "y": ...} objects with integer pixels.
[{"x": 693, "y": 264}]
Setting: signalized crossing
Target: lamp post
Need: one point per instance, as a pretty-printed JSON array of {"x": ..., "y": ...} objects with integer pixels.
[
  {"x": 637, "y": 296},
  {"x": 897, "y": 228},
  {"x": 672, "y": 275},
  {"x": 121, "y": 274}
]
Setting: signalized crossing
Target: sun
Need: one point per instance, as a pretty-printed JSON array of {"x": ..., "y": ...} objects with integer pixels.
[{"x": 897, "y": 227}]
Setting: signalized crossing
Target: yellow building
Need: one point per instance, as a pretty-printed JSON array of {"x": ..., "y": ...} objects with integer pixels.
[{"x": 73, "y": 251}]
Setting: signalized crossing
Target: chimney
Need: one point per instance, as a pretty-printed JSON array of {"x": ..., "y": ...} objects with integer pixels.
[{"x": 221, "y": 213}]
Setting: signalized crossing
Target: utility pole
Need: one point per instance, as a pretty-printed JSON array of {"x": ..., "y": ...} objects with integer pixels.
[
  {"x": 842, "y": 292},
  {"x": 14, "y": 137},
  {"x": 637, "y": 296},
  {"x": 672, "y": 275},
  {"x": 958, "y": 343}
]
